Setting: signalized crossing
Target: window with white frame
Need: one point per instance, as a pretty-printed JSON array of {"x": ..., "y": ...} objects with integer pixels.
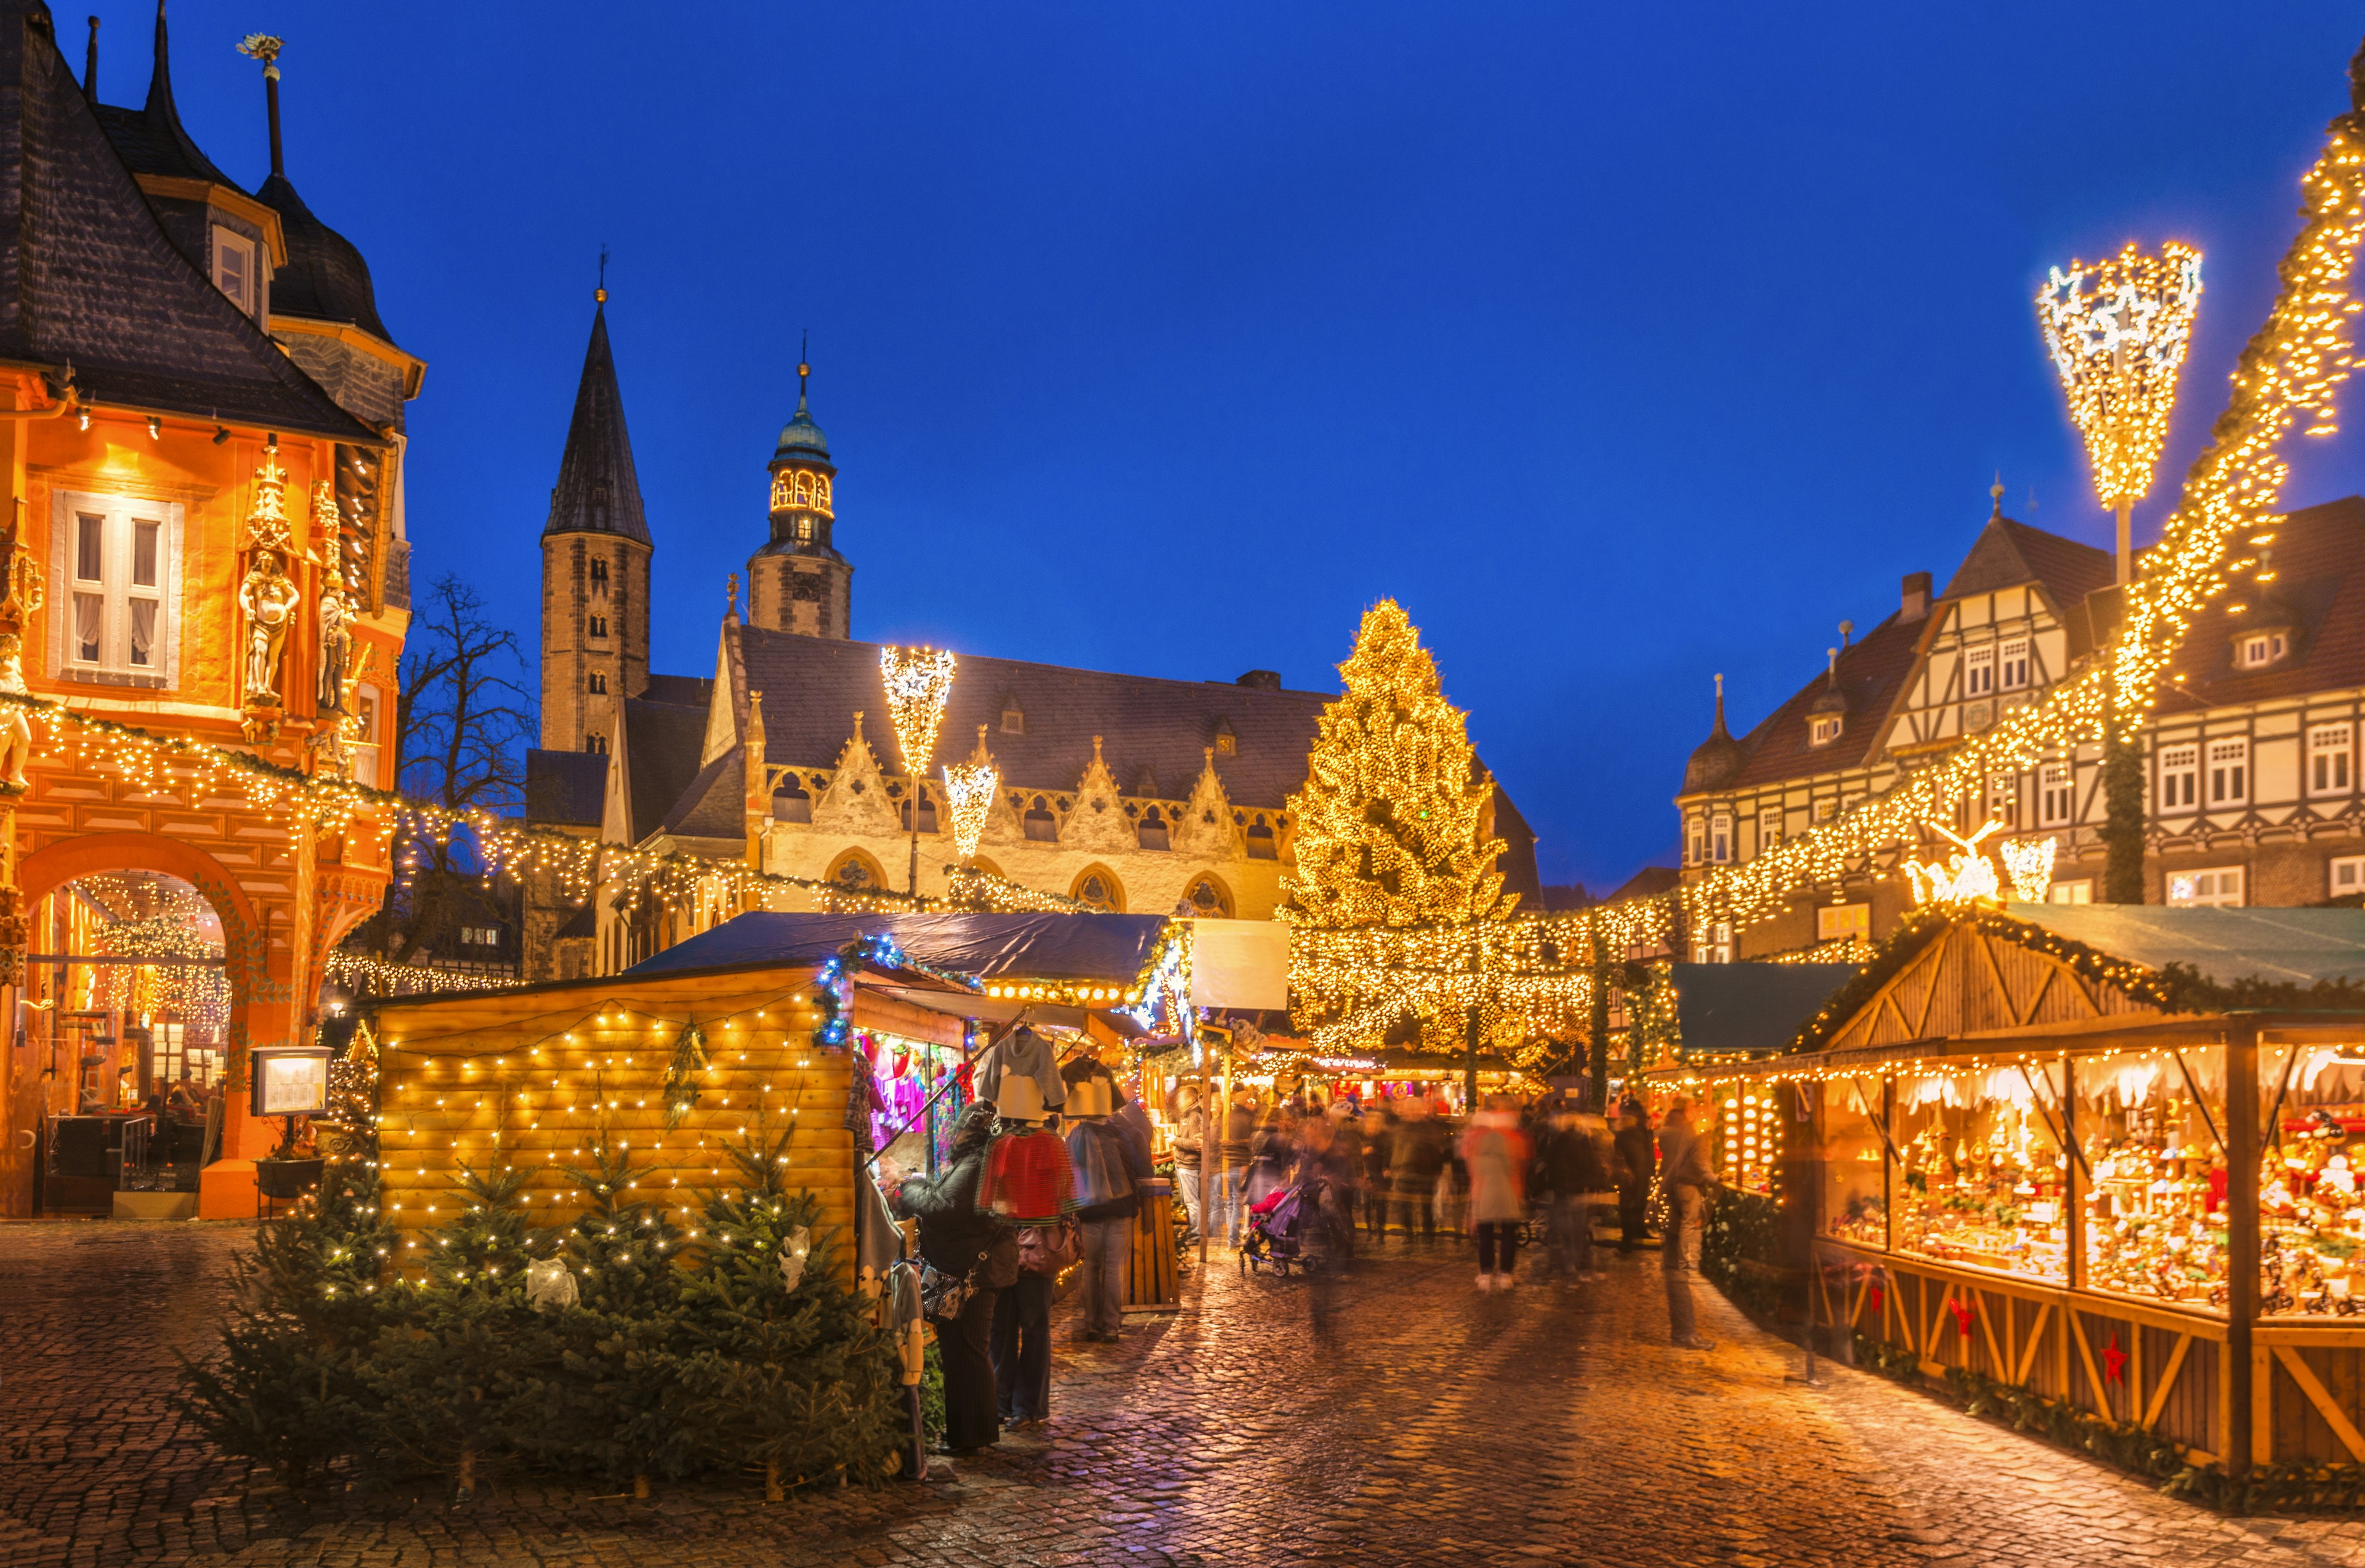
[
  {"x": 2179, "y": 774},
  {"x": 2348, "y": 875},
  {"x": 2330, "y": 751},
  {"x": 2014, "y": 661},
  {"x": 121, "y": 562},
  {"x": 1717, "y": 947},
  {"x": 2079, "y": 891},
  {"x": 2260, "y": 649},
  {"x": 368, "y": 703},
  {"x": 1696, "y": 841},
  {"x": 2221, "y": 888},
  {"x": 2003, "y": 799},
  {"x": 237, "y": 269},
  {"x": 1769, "y": 828},
  {"x": 2229, "y": 773},
  {"x": 1720, "y": 838},
  {"x": 2057, "y": 794},
  {"x": 1825, "y": 809},
  {"x": 1823, "y": 729},
  {"x": 1978, "y": 671}
]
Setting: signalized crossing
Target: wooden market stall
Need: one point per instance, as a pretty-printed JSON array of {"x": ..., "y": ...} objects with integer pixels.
[{"x": 2108, "y": 1155}]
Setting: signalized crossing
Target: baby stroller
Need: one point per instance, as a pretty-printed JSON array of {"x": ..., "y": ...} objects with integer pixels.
[{"x": 1294, "y": 1225}]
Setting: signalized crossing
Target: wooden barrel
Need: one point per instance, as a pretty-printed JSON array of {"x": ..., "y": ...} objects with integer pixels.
[{"x": 1149, "y": 1280}]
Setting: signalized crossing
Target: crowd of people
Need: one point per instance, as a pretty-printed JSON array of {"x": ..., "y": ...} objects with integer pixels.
[
  {"x": 1406, "y": 1166},
  {"x": 1048, "y": 1167}
]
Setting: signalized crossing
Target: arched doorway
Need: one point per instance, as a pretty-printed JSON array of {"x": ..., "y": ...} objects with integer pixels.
[{"x": 125, "y": 1018}]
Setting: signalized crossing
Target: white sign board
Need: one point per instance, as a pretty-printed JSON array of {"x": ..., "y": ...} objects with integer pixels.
[
  {"x": 1240, "y": 963},
  {"x": 292, "y": 1085}
]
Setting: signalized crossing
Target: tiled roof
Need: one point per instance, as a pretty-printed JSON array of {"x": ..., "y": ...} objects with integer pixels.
[
  {"x": 663, "y": 741},
  {"x": 2319, "y": 563},
  {"x": 716, "y": 804},
  {"x": 682, "y": 691},
  {"x": 566, "y": 788},
  {"x": 1870, "y": 673},
  {"x": 87, "y": 275},
  {"x": 1648, "y": 882},
  {"x": 598, "y": 491},
  {"x": 325, "y": 278},
  {"x": 2008, "y": 553},
  {"x": 812, "y": 686}
]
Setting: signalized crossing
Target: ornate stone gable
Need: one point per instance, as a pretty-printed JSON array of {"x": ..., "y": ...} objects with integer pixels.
[
  {"x": 1097, "y": 823},
  {"x": 1204, "y": 827},
  {"x": 856, "y": 801}
]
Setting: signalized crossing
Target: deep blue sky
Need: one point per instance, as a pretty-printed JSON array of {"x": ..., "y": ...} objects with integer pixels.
[{"x": 1623, "y": 345}]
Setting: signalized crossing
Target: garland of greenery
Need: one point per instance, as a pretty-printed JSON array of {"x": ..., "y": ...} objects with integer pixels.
[
  {"x": 1741, "y": 1249},
  {"x": 2176, "y": 988}
]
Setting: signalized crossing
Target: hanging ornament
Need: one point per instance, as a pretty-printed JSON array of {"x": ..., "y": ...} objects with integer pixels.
[
  {"x": 1962, "y": 1316},
  {"x": 2115, "y": 1360}
]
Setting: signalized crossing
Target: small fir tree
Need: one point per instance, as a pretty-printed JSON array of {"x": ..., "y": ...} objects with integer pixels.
[
  {"x": 790, "y": 1375},
  {"x": 288, "y": 1390},
  {"x": 1392, "y": 823}
]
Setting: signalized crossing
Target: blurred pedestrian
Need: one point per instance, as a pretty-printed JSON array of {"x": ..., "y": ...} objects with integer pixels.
[
  {"x": 1635, "y": 1161},
  {"x": 1379, "y": 1136},
  {"x": 1570, "y": 1175},
  {"x": 1684, "y": 1178},
  {"x": 966, "y": 1247},
  {"x": 1239, "y": 1129},
  {"x": 1415, "y": 1157},
  {"x": 1190, "y": 1120},
  {"x": 1494, "y": 1153},
  {"x": 1271, "y": 1151},
  {"x": 1110, "y": 1167}
]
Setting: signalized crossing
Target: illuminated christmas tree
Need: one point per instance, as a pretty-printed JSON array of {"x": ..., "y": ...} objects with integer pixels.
[{"x": 1392, "y": 825}]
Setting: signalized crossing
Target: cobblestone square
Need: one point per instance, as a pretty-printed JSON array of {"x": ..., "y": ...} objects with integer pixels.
[{"x": 1394, "y": 1417}]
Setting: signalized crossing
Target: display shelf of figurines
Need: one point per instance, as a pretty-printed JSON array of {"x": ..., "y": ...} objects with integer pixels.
[{"x": 2066, "y": 1210}]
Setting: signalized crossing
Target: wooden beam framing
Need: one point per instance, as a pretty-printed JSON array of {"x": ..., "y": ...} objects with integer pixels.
[
  {"x": 2160, "y": 1390},
  {"x": 2321, "y": 1397},
  {"x": 2035, "y": 1343}
]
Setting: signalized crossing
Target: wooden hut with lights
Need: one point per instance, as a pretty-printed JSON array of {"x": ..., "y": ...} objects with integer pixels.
[
  {"x": 763, "y": 1029},
  {"x": 2113, "y": 1157}
]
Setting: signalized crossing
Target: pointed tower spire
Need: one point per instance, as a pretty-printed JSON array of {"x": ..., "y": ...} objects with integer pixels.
[
  {"x": 804, "y": 373},
  {"x": 598, "y": 491},
  {"x": 90, "y": 65},
  {"x": 172, "y": 151}
]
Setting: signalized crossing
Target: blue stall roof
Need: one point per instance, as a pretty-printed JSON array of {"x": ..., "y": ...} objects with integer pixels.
[
  {"x": 1752, "y": 1007},
  {"x": 1052, "y": 947}
]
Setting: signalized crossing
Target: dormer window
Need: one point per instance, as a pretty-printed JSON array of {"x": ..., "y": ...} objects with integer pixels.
[
  {"x": 237, "y": 270},
  {"x": 1823, "y": 729},
  {"x": 2256, "y": 649},
  {"x": 1013, "y": 718},
  {"x": 1226, "y": 741}
]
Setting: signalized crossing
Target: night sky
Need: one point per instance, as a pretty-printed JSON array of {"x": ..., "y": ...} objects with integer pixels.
[{"x": 1623, "y": 349}]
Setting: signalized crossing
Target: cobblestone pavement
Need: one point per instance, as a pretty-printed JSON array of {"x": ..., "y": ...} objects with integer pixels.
[{"x": 1397, "y": 1416}]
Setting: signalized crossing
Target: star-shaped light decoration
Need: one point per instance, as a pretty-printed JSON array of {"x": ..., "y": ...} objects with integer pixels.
[{"x": 2115, "y": 1360}]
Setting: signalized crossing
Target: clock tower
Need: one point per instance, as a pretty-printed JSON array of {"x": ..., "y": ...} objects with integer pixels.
[{"x": 798, "y": 582}]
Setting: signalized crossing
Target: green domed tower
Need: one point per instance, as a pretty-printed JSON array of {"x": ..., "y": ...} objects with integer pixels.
[{"x": 798, "y": 582}]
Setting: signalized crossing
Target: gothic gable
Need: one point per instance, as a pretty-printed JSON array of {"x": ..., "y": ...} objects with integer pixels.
[{"x": 856, "y": 801}]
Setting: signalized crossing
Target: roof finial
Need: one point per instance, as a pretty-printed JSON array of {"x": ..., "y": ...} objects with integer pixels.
[
  {"x": 804, "y": 369},
  {"x": 600, "y": 295},
  {"x": 264, "y": 48},
  {"x": 90, "y": 65},
  {"x": 1847, "y": 633},
  {"x": 1832, "y": 656},
  {"x": 1720, "y": 704},
  {"x": 1996, "y": 492},
  {"x": 731, "y": 611}
]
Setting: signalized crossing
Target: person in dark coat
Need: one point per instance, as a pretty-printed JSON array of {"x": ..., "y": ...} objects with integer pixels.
[
  {"x": 1416, "y": 1156},
  {"x": 955, "y": 1239},
  {"x": 1379, "y": 1137},
  {"x": 1569, "y": 1171},
  {"x": 1637, "y": 1160}
]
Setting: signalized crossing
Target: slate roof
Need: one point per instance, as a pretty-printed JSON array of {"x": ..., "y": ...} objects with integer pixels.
[
  {"x": 598, "y": 491},
  {"x": 325, "y": 278},
  {"x": 716, "y": 804},
  {"x": 812, "y": 686},
  {"x": 2008, "y": 553},
  {"x": 1871, "y": 671},
  {"x": 151, "y": 139},
  {"x": 662, "y": 741},
  {"x": 683, "y": 690},
  {"x": 566, "y": 788},
  {"x": 2319, "y": 563},
  {"x": 88, "y": 276}
]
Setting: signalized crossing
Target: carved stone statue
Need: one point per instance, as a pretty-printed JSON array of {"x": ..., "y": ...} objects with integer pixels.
[
  {"x": 336, "y": 651},
  {"x": 24, "y": 588},
  {"x": 269, "y": 600},
  {"x": 16, "y": 728}
]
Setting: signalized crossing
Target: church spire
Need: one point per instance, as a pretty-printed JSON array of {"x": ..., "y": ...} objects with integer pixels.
[
  {"x": 173, "y": 152},
  {"x": 597, "y": 490}
]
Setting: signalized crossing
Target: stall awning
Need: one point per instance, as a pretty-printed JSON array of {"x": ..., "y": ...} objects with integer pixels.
[
  {"x": 2296, "y": 945},
  {"x": 1754, "y": 1008},
  {"x": 1113, "y": 948}
]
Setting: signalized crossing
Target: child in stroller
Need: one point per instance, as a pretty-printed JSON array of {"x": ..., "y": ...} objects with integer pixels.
[{"x": 1304, "y": 1223}]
